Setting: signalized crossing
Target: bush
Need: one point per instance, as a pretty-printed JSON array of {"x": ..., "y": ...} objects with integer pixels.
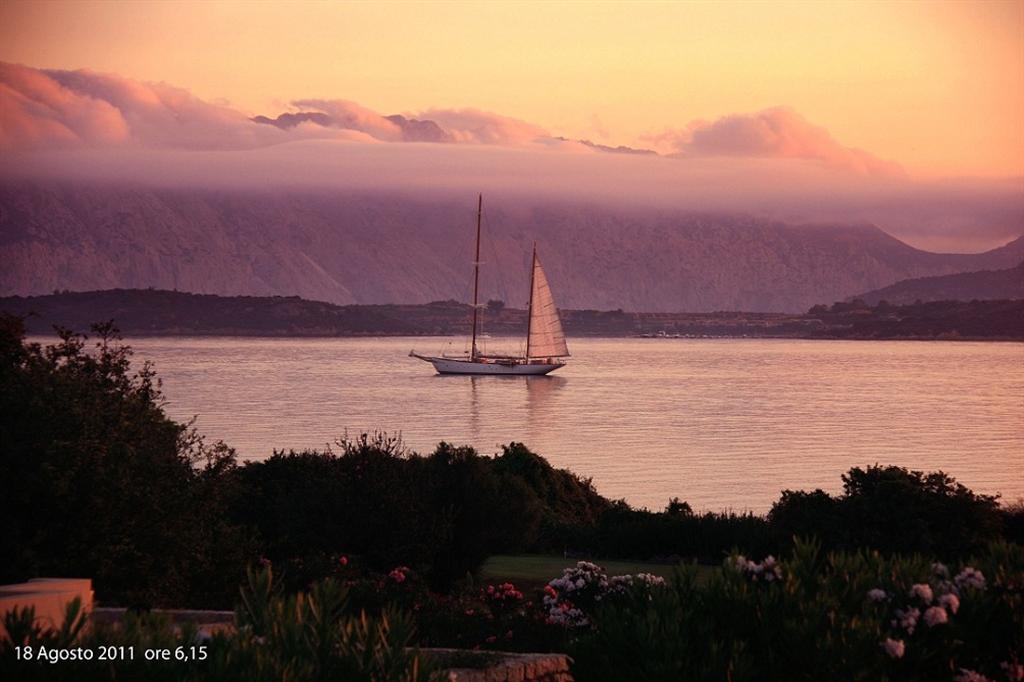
[
  {"x": 306, "y": 636},
  {"x": 891, "y": 509},
  {"x": 816, "y": 616},
  {"x": 442, "y": 514}
]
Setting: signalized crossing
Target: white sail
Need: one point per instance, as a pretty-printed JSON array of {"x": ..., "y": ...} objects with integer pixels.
[{"x": 547, "y": 340}]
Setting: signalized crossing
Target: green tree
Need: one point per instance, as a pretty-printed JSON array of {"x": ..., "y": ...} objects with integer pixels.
[{"x": 99, "y": 482}]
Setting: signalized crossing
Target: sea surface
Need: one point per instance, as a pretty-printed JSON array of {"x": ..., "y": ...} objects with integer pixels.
[{"x": 720, "y": 423}]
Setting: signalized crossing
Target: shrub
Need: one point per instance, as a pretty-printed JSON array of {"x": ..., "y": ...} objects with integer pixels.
[
  {"x": 311, "y": 636},
  {"x": 892, "y": 509},
  {"x": 816, "y": 616}
]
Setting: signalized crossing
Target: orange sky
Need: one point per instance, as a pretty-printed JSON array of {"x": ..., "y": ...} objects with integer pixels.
[{"x": 937, "y": 87}]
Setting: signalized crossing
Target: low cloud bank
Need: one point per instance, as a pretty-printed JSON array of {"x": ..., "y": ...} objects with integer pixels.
[
  {"x": 86, "y": 126},
  {"x": 947, "y": 216},
  {"x": 55, "y": 109},
  {"x": 778, "y": 132}
]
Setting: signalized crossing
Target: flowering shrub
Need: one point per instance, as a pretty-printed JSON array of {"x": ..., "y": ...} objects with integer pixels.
[
  {"x": 767, "y": 570},
  {"x": 580, "y": 590},
  {"x": 503, "y": 593},
  {"x": 817, "y": 616},
  {"x": 502, "y": 599}
]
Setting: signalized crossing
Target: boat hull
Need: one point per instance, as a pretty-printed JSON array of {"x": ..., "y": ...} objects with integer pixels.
[{"x": 459, "y": 366}]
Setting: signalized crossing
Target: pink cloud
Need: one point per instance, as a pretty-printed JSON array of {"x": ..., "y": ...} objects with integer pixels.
[
  {"x": 53, "y": 108},
  {"x": 37, "y": 111},
  {"x": 484, "y": 127},
  {"x": 161, "y": 115},
  {"x": 352, "y": 116},
  {"x": 778, "y": 132},
  {"x": 68, "y": 109}
]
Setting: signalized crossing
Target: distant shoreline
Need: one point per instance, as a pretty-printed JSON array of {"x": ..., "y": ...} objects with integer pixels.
[
  {"x": 51, "y": 334},
  {"x": 157, "y": 313}
]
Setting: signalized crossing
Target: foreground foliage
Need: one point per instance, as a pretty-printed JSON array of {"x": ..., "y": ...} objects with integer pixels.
[
  {"x": 848, "y": 616},
  {"x": 308, "y": 636},
  {"x": 98, "y": 482},
  {"x": 812, "y": 615}
]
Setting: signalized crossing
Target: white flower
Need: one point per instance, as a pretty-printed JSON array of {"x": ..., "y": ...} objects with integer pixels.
[
  {"x": 970, "y": 577},
  {"x": 769, "y": 569},
  {"x": 950, "y": 602},
  {"x": 923, "y": 591},
  {"x": 877, "y": 595},
  {"x": 894, "y": 647},
  {"x": 936, "y": 615},
  {"x": 648, "y": 579},
  {"x": 966, "y": 675}
]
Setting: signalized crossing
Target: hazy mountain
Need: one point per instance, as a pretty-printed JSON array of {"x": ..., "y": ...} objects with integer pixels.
[
  {"x": 986, "y": 285},
  {"x": 413, "y": 130},
  {"x": 288, "y": 121},
  {"x": 387, "y": 248},
  {"x": 621, "y": 149}
]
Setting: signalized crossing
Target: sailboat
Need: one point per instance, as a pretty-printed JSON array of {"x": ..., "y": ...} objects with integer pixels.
[{"x": 546, "y": 349}]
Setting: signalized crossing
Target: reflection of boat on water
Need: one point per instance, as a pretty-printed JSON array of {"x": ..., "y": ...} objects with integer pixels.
[{"x": 545, "y": 341}]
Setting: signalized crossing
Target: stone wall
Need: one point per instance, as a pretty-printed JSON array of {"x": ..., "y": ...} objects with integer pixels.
[
  {"x": 49, "y": 597},
  {"x": 509, "y": 667}
]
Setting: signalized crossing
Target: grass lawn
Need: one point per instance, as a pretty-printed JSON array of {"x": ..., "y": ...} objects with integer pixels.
[{"x": 534, "y": 570}]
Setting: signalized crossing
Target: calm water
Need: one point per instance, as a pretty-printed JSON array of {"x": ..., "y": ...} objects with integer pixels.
[{"x": 719, "y": 423}]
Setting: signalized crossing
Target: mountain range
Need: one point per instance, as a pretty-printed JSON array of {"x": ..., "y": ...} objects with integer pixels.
[{"x": 350, "y": 248}]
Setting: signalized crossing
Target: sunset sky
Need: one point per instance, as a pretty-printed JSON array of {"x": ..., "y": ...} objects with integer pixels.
[{"x": 937, "y": 87}]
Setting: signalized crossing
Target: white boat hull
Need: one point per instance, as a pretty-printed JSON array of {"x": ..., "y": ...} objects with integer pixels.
[{"x": 494, "y": 367}]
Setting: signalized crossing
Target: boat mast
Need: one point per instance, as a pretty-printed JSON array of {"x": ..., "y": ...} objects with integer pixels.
[
  {"x": 476, "y": 274},
  {"x": 529, "y": 309}
]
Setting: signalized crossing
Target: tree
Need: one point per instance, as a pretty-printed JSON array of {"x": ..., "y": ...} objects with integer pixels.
[{"x": 99, "y": 482}]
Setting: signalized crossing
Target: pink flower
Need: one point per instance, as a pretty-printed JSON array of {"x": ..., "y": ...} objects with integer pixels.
[
  {"x": 950, "y": 601},
  {"x": 936, "y": 615},
  {"x": 470, "y": 612},
  {"x": 966, "y": 675},
  {"x": 895, "y": 648},
  {"x": 398, "y": 574},
  {"x": 1014, "y": 671},
  {"x": 923, "y": 591},
  {"x": 343, "y": 561},
  {"x": 970, "y": 577},
  {"x": 491, "y": 640}
]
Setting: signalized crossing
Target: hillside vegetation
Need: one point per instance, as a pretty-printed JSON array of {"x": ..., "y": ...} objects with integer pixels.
[
  {"x": 964, "y": 286},
  {"x": 172, "y": 313}
]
